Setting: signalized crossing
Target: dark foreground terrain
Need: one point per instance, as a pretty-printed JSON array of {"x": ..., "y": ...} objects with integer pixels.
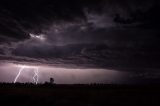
[{"x": 79, "y": 95}]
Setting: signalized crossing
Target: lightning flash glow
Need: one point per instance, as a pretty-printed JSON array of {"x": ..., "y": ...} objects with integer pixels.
[
  {"x": 35, "y": 77},
  {"x": 40, "y": 37}
]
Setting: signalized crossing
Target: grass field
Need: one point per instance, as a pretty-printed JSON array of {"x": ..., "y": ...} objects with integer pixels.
[{"x": 78, "y": 95}]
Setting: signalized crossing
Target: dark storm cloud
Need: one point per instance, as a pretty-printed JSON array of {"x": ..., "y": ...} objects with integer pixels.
[
  {"x": 114, "y": 34},
  {"x": 21, "y": 17},
  {"x": 94, "y": 56}
]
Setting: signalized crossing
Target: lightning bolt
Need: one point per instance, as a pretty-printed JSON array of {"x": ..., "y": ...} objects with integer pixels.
[
  {"x": 20, "y": 70},
  {"x": 35, "y": 77}
]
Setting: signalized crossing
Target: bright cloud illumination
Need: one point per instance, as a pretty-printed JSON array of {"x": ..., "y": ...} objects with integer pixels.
[{"x": 38, "y": 37}]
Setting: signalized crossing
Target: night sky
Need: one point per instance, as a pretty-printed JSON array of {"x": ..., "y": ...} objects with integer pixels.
[{"x": 80, "y": 41}]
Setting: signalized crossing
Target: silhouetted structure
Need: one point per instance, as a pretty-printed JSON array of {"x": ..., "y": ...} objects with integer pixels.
[{"x": 51, "y": 80}]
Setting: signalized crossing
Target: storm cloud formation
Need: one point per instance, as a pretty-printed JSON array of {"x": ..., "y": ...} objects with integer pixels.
[{"x": 108, "y": 34}]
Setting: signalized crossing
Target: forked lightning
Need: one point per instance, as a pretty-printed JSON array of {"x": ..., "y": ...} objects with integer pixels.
[{"x": 35, "y": 77}]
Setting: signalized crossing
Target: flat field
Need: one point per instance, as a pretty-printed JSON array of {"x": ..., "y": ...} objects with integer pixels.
[{"x": 79, "y": 95}]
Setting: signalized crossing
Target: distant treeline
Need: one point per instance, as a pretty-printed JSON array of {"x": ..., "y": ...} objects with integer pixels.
[{"x": 92, "y": 85}]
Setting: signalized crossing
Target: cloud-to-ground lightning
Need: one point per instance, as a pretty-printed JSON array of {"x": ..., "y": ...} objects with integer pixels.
[
  {"x": 21, "y": 69},
  {"x": 35, "y": 77}
]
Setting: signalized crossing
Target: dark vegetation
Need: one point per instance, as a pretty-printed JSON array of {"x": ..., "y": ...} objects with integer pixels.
[{"x": 27, "y": 94}]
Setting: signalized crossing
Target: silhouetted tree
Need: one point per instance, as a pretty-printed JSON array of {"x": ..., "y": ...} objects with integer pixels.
[{"x": 51, "y": 80}]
